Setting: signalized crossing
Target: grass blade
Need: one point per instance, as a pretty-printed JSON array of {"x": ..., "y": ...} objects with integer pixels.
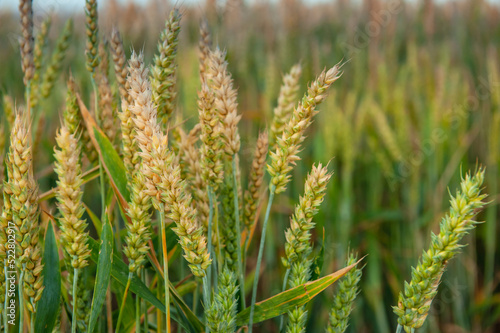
[
  {"x": 48, "y": 305},
  {"x": 288, "y": 300},
  {"x": 104, "y": 264}
]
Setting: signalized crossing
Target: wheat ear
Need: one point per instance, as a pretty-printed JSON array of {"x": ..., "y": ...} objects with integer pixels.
[
  {"x": 163, "y": 72},
  {"x": 288, "y": 145},
  {"x": 414, "y": 304},
  {"x": 287, "y": 98},
  {"x": 348, "y": 289}
]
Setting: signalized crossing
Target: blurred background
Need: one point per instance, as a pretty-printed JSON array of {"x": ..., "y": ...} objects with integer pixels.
[{"x": 417, "y": 106}]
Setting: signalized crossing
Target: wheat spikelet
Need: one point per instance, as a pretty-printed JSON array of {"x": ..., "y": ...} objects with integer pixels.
[
  {"x": 8, "y": 110},
  {"x": 40, "y": 43},
  {"x": 129, "y": 147},
  {"x": 91, "y": 48},
  {"x": 288, "y": 145},
  {"x": 286, "y": 101},
  {"x": 255, "y": 182},
  {"x": 225, "y": 105},
  {"x": 22, "y": 192},
  {"x": 414, "y": 304},
  {"x": 138, "y": 231},
  {"x": 221, "y": 314},
  {"x": 74, "y": 237},
  {"x": 211, "y": 138},
  {"x": 71, "y": 115},
  {"x": 56, "y": 61},
  {"x": 204, "y": 46},
  {"x": 120, "y": 63},
  {"x": 163, "y": 74},
  {"x": 27, "y": 62},
  {"x": 193, "y": 169},
  {"x": 348, "y": 289},
  {"x": 102, "y": 53},
  {"x": 164, "y": 183},
  {"x": 298, "y": 247},
  {"x": 69, "y": 197},
  {"x": 106, "y": 113},
  {"x": 73, "y": 120}
]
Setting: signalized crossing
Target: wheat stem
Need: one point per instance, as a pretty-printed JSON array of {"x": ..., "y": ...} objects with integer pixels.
[
  {"x": 138, "y": 314},
  {"x": 165, "y": 266},
  {"x": 32, "y": 319},
  {"x": 206, "y": 280},
  {"x": 241, "y": 273},
  {"x": 272, "y": 190},
  {"x": 75, "y": 300},
  {"x": 122, "y": 306}
]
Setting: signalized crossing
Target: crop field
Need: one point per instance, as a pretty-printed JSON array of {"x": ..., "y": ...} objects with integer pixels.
[{"x": 250, "y": 166}]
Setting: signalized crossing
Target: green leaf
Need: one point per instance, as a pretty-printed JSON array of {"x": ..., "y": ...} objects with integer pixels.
[
  {"x": 119, "y": 271},
  {"x": 95, "y": 220},
  {"x": 48, "y": 305},
  {"x": 113, "y": 164},
  {"x": 288, "y": 300},
  {"x": 104, "y": 264}
]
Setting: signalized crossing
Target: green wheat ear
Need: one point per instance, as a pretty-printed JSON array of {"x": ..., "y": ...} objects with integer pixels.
[
  {"x": 221, "y": 314},
  {"x": 414, "y": 304},
  {"x": 343, "y": 300}
]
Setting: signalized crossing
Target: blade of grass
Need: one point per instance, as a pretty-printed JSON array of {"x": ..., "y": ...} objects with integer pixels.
[
  {"x": 48, "y": 305},
  {"x": 288, "y": 300},
  {"x": 104, "y": 267}
]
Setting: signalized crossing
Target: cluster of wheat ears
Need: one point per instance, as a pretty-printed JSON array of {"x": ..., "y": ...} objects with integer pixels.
[{"x": 180, "y": 185}]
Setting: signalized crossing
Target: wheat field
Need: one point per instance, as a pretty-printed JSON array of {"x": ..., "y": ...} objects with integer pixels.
[{"x": 237, "y": 166}]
